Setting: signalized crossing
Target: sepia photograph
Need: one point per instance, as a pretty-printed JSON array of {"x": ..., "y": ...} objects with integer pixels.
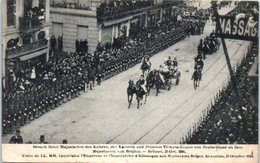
[{"x": 129, "y": 72}]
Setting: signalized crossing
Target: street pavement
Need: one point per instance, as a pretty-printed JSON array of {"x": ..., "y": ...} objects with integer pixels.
[{"x": 102, "y": 116}]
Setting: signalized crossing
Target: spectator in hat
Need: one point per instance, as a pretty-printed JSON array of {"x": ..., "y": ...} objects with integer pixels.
[
  {"x": 42, "y": 138},
  {"x": 64, "y": 141},
  {"x": 17, "y": 138}
]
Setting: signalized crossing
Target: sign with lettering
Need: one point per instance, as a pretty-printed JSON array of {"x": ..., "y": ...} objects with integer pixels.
[{"x": 239, "y": 27}]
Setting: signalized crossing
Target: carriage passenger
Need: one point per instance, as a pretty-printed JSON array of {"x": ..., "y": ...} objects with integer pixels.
[
  {"x": 212, "y": 34},
  {"x": 175, "y": 62},
  {"x": 168, "y": 62}
]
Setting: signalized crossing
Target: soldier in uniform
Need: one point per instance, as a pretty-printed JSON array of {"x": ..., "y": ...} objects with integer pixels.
[
  {"x": 91, "y": 77},
  {"x": 52, "y": 98},
  {"x": 99, "y": 75},
  {"x": 26, "y": 111},
  {"x": 42, "y": 140}
]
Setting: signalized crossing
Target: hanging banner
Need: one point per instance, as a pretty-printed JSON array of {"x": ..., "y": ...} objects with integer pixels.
[{"x": 239, "y": 27}]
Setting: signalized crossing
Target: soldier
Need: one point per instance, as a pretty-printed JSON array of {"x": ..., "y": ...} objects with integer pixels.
[
  {"x": 37, "y": 105},
  {"x": 42, "y": 140},
  {"x": 199, "y": 64},
  {"x": 200, "y": 47},
  {"x": 26, "y": 112},
  {"x": 56, "y": 95},
  {"x": 91, "y": 77},
  {"x": 52, "y": 98},
  {"x": 99, "y": 75},
  {"x": 30, "y": 109},
  {"x": 53, "y": 44}
]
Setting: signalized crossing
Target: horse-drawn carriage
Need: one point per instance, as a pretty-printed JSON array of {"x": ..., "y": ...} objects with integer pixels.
[{"x": 162, "y": 79}]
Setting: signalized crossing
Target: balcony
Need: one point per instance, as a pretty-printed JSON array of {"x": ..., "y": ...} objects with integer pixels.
[
  {"x": 77, "y": 6},
  {"x": 112, "y": 11},
  {"x": 19, "y": 51},
  {"x": 28, "y": 25},
  {"x": 108, "y": 11}
]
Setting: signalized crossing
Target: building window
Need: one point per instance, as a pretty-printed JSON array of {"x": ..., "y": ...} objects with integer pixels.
[
  {"x": 11, "y": 5},
  {"x": 42, "y": 4}
]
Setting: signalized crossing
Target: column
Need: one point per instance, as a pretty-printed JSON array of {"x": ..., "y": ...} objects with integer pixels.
[
  {"x": 146, "y": 17},
  {"x": 116, "y": 30},
  {"x": 161, "y": 14},
  {"x": 100, "y": 33},
  {"x": 113, "y": 34},
  {"x": 47, "y": 11},
  {"x": 128, "y": 28}
]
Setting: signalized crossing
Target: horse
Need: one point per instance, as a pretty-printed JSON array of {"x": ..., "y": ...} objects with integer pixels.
[
  {"x": 131, "y": 90},
  {"x": 154, "y": 79},
  {"x": 139, "y": 95},
  {"x": 196, "y": 77},
  {"x": 150, "y": 81},
  {"x": 138, "y": 91}
]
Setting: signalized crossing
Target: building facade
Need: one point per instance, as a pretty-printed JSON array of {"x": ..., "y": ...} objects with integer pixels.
[
  {"x": 103, "y": 21},
  {"x": 25, "y": 35}
]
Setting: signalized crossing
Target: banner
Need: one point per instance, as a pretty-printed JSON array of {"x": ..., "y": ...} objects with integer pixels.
[{"x": 240, "y": 27}]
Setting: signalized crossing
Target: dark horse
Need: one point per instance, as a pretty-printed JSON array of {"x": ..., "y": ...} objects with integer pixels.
[
  {"x": 196, "y": 77},
  {"x": 153, "y": 79},
  {"x": 138, "y": 91}
]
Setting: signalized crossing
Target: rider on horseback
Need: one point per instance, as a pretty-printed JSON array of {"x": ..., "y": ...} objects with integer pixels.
[
  {"x": 196, "y": 75},
  {"x": 141, "y": 83},
  {"x": 199, "y": 64},
  {"x": 146, "y": 64},
  {"x": 200, "y": 47}
]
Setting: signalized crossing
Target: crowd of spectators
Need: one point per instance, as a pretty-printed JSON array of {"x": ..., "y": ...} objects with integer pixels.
[
  {"x": 81, "y": 45},
  {"x": 246, "y": 7},
  {"x": 66, "y": 75},
  {"x": 118, "y": 8},
  {"x": 33, "y": 16},
  {"x": 233, "y": 116},
  {"x": 229, "y": 121}
]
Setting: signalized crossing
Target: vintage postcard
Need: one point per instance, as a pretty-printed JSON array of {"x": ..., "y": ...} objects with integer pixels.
[{"x": 129, "y": 80}]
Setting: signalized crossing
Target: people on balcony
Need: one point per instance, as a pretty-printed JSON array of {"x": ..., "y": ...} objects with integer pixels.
[
  {"x": 70, "y": 5},
  {"x": 120, "y": 8},
  {"x": 33, "y": 17}
]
